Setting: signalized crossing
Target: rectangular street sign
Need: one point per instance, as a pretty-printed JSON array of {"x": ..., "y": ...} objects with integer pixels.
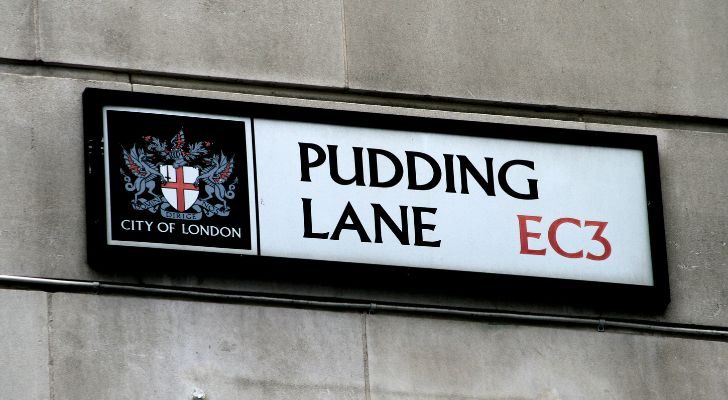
[{"x": 180, "y": 177}]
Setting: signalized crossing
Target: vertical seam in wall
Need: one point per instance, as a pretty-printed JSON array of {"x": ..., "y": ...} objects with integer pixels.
[
  {"x": 131, "y": 82},
  {"x": 343, "y": 30},
  {"x": 365, "y": 351},
  {"x": 49, "y": 326},
  {"x": 36, "y": 27}
]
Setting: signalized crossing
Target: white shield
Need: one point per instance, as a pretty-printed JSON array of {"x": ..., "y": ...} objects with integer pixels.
[{"x": 179, "y": 189}]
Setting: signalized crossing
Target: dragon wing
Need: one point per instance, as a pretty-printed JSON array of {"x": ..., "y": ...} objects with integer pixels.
[
  {"x": 133, "y": 161},
  {"x": 178, "y": 141},
  {"x": 195, "y": 150},
  {"x": 224, "y": 171}
]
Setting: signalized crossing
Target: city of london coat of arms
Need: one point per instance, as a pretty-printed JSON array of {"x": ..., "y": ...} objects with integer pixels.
[{"x": 179, "y": 180}]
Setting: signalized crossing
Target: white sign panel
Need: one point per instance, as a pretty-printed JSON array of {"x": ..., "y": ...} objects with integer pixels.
[{"x": 443, "y": 201}]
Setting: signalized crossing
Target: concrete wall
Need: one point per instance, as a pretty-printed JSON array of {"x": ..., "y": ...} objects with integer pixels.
[{"x": 657, "y": 68}]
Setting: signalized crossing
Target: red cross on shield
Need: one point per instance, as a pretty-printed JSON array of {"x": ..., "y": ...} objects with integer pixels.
[{"x": 179, "y": 189}]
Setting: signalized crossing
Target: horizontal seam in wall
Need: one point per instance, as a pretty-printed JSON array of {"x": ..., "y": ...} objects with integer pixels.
[
  {"x": 601, "y": 324},
  {"x": 395, "y": 99}
]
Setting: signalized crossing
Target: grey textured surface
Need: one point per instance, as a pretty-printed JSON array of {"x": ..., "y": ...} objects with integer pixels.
[
  {"x": 695, "y": 188},
  {"x": 23, "y": 345},
  {"x": 271, "y": 96},
  {"x": 42, "y": 232},
  {"x": 413, "y": 358},
  {"x": 646, "y": 56},
  {"x": 17, "y": 29},
  {"x": 276, "y": 41},
  {"x": 107, "y": 347}
]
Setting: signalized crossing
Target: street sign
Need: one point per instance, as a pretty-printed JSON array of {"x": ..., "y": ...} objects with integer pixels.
[{"x": 193, "y": 177}]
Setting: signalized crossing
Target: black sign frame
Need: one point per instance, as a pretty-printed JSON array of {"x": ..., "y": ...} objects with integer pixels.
[{"x": 139, "y": 260}]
